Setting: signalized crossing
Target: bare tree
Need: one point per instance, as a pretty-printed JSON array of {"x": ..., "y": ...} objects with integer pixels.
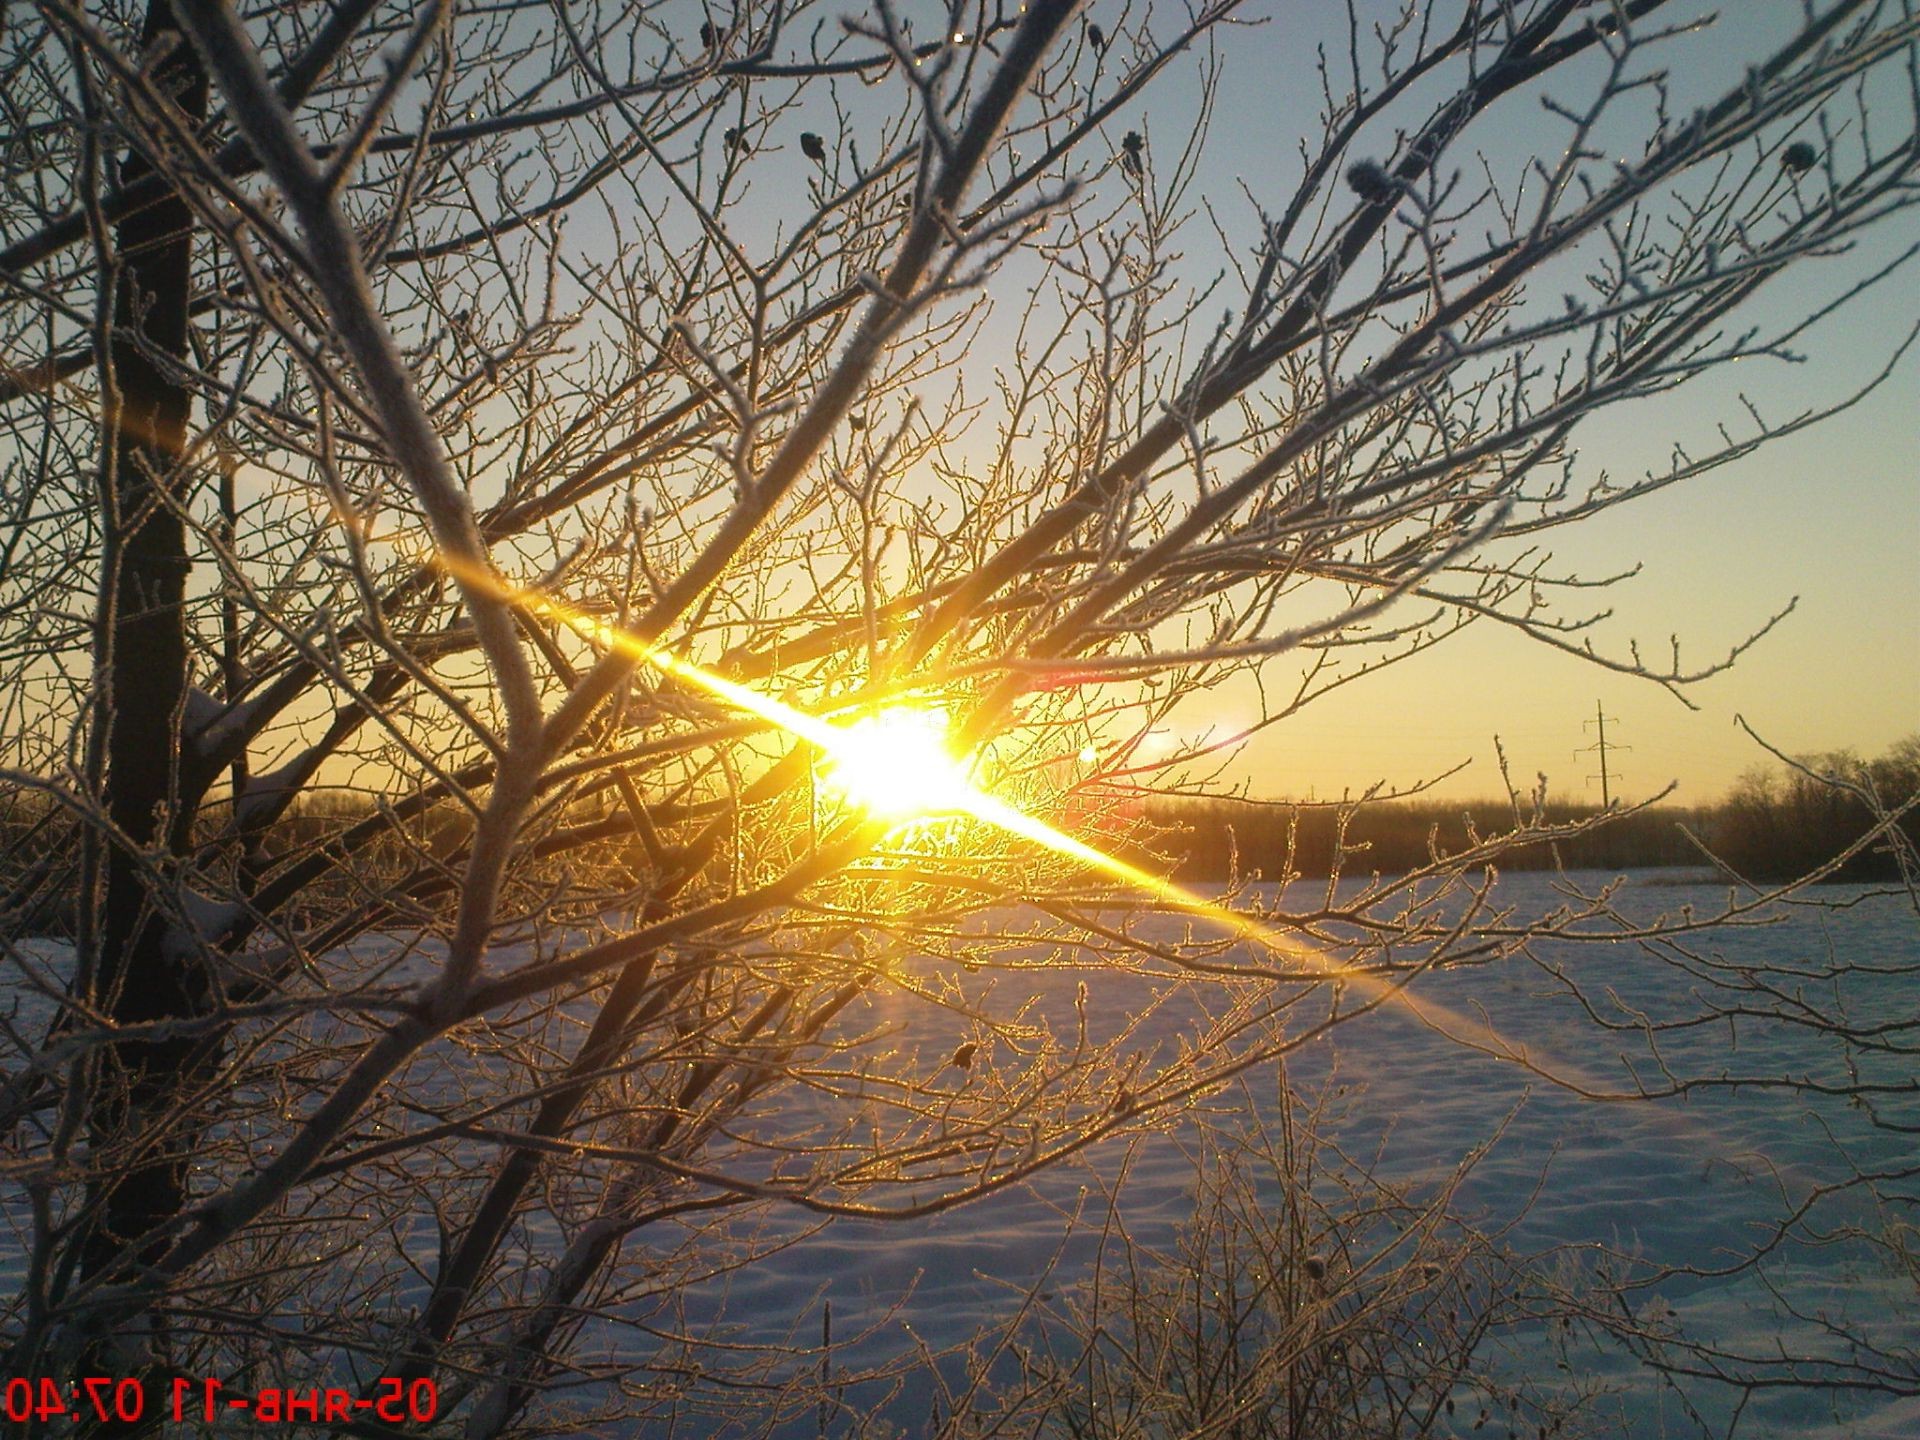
[{"x": 484, "y": 483}]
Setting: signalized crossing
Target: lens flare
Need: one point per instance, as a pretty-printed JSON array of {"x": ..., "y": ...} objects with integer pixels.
[{"x": 896, "y": 765}]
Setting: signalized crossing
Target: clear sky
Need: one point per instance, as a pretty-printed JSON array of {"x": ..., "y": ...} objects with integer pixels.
[{"x": 1831, "y": 516}]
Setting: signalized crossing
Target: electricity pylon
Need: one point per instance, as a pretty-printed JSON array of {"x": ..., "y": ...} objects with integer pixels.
[{"x": 1605, "y": 777}]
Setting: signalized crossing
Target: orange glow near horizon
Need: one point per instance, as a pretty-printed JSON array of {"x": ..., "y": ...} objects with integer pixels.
[
  {"x": 897, "y": 755},
  {"x": 895, "y": 764}
]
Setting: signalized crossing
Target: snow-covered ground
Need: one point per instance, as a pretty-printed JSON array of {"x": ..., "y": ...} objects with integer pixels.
[
  {"x": 1691, "y": 1182},
  {"x": 1685, "y": 1182}
]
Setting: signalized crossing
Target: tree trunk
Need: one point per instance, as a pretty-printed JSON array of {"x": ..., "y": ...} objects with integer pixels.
[{"x": 138, "y": 978}]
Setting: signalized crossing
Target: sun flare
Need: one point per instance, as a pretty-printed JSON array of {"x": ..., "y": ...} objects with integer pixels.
[{"x": 896, "y": 764}]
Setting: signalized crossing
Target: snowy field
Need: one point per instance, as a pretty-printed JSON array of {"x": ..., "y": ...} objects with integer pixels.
[{"x": 1691, "y": 1182}]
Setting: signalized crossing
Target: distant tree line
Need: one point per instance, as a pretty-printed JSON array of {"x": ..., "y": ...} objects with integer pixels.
[
  {"x": 1776, "y": 823},
  {"x": 1218, "y": 839},
  {"x": 1780, "y": 821}
]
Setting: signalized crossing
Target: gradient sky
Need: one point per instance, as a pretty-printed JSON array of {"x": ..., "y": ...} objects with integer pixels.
[{"x": 1831, "y": 516}]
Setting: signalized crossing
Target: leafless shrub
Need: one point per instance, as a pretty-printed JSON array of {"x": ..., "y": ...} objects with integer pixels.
[{"x": 1305, "y": 1297}]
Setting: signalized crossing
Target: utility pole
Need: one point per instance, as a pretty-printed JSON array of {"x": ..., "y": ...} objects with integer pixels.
[{"x": 1605, "y": 776}]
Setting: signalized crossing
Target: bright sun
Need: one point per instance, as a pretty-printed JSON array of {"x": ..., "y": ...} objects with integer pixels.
[{"x": 897, "y": 765}]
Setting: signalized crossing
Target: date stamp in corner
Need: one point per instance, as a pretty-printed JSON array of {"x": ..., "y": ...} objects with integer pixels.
[{"x": 206, "y": 1400}]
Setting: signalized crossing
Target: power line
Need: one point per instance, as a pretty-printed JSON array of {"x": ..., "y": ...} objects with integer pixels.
[{"x": 1606, "y": 776}]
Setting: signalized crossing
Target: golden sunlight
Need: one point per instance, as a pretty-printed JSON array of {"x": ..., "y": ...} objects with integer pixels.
[{"x": 896, "y": 764}]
